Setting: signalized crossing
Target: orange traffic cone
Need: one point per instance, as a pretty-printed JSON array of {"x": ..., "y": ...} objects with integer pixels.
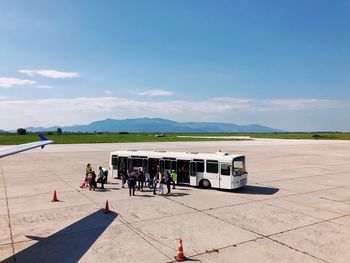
[
  {"x": 180, "y": 252},
  {"x": 106, "y": 209},
  {"x": 54, "y": 197}
]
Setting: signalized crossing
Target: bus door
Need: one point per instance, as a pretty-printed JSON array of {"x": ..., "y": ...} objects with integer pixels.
[
  {"x": 173, "y": 165},
  {"x": 122, "y": 165},
  {"x": 166, "y": 165},
  {"x": 225, "y": 176},
  {"x": 193, "y": 173},
  {"x": 199, "y": 167},
  {"x": 212, "y": 173},
  {"x": 114, "y": 163},
  {"x": 129, "y": 164},
  {"x": 144, "y": 165},
  {"x": 161, "y": 165},
  {"x": 153, "y": 166},
  {"x": 183, "y": 171}
]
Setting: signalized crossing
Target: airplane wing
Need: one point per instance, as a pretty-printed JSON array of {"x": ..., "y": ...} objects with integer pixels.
[{"x": 24, "y": 147}]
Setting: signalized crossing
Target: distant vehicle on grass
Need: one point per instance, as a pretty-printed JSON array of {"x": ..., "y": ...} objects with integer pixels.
[
  {"x": 160, "y": 135},
  {"x": 209, "y": 170}
]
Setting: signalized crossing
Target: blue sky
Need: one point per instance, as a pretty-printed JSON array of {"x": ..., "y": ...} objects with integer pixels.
[{"x": 284, "y": 64}]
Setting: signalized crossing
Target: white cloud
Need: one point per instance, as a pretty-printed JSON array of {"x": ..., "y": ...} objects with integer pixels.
[
  {"x": 156, "y": 92},
  {"x": 48, "y": 112},
  {"x": 49, "y": 73},
  {"x": 44, "y": 87},
  {"x": 28, "y": 72},
  {"x": 301, "y": 104},
  {"x": 108, "y": 92},
  {"x": 12, "y": 82}
]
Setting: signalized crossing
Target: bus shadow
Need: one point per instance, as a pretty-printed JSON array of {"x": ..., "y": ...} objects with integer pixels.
[
  {"x": 143, "y": 195},
  {"x": 256, "y": 190},
  {"x": 184, "y": 189},
  {"x": 106, "y": 189},
  {"x": 68, "y": 244},
  {"x": 176, "y": 194}
]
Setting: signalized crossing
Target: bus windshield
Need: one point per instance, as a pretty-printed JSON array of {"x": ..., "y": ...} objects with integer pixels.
[{"x": 238, "y": 165}]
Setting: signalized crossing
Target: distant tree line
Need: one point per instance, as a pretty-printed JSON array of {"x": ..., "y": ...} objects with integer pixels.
[
  {"x": 59, "y": 131},
  {"x": 21, "y": 131}
]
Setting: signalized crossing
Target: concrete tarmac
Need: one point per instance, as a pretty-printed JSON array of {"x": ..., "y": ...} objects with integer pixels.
[{"x": 296, "y": 207}]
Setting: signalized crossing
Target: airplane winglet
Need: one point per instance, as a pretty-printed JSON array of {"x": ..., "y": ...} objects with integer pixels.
[{"x": 42, "y": 137}]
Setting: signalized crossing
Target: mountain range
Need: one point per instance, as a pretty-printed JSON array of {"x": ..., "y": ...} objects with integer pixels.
[{"x": 158, "y": 125}]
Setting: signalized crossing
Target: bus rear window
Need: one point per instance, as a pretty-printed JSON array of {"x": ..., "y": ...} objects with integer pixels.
[{"x": 238, "y": 166}]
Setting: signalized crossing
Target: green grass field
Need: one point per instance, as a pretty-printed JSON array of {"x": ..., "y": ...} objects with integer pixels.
[{"x": 9, "y": 139}]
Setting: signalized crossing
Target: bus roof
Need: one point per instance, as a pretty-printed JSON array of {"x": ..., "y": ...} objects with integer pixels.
[{"x": 220, "y": 156}]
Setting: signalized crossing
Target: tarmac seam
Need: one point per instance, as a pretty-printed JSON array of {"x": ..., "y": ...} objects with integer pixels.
[
  {"x": 252, "y": 231},
  {"x": 217, "y": 250},
  {"x": 77, "y": 190},
  {"x": 300, "y": 251},
  {"x": 127, "y": 224},
  {"x": 124, "y": 223},
  {"x": 310, "y": 192},
  {"x": 58, "y": 236},
  {"x": 333, "y": 200},
  {"x": 308, "y": 206},
  {"x": 9, "y": 218},
  {"x": 300, "y": 167},
  {"x": 296, "y": 178},
  {"x": 308, "y": 225},
  {"x": 268, "y": 237}
]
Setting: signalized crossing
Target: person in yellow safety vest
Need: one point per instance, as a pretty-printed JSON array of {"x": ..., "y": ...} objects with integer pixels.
[
  {"x": 88, "y": 169},
  {"x": 173, "y": 178}
]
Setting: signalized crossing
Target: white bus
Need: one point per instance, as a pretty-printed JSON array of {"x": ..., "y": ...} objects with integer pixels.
[{"x": 216, "y": 170}]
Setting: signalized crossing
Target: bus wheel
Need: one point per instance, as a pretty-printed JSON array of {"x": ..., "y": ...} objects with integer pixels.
[{"x": 205, "y": 184}]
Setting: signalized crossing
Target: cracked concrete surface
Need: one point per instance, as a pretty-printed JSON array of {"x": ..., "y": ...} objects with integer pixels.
[{"x": 295, "y": 209}]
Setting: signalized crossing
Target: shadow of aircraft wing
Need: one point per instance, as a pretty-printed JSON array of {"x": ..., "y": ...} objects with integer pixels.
[{"x": 68, "y": 244}]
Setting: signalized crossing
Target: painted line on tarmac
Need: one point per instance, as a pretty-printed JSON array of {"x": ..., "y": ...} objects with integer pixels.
[
  {"x": 119, "y": 217},
  {"x": 136, "y": 231},
  {"x": 9, "y": 218},
  {"x": 249, "y": 230}
]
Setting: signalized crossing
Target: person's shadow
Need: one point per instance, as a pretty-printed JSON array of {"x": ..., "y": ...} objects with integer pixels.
[{"x": 68, "y": 244}]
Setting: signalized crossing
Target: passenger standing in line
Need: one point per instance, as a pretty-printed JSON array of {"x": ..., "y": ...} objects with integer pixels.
[
  {"x": 124, "y": 176},
  {"x": 167, "y": 179},
  {"x": 88, "y": 178},
  {"x": 155, "y": 182},
  {"x": 132, "y": 182},
  {"x": 141, "y": 180},
  {"x": 88, "y": 169},
  {"x": 147, "y": 178},
  {"x": 128, "y": 175},
  {"x": 173, "y": 178},
  {"x": 161, "y": 183},
  {"x": 92, "y": 183},
  {"x": 101, "y": 177}
]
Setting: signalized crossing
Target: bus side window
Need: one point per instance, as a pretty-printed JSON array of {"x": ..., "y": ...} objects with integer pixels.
[
  {"x": 225, "y": 169},
  {"x": 200, "y": 167},
  {"x": 212, "y": 166}
]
